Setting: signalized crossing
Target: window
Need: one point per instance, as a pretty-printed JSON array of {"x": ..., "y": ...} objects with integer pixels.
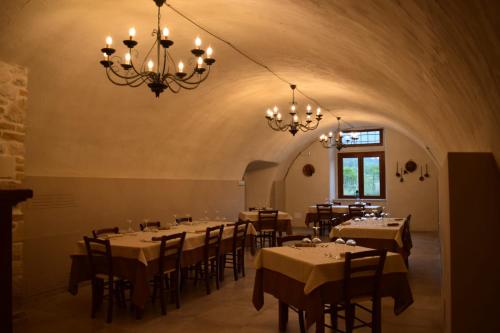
[
  {"x": 361, "y": 175},
  {"x": 373, "y": 137}
]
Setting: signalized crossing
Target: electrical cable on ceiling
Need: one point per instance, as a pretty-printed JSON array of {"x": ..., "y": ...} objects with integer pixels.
[{"x": 250, "y": 58}]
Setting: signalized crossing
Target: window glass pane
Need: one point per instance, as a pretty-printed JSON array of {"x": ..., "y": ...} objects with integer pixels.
[
  {"x": 371, "y": 176},
  {"x": 363, "y": 137},
  {"x": 350, "y": 173}
]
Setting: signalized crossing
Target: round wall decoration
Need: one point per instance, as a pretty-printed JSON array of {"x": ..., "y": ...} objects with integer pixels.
[
  {"x": 410, "y": 166},
  {"x": 308, "y": 170}
]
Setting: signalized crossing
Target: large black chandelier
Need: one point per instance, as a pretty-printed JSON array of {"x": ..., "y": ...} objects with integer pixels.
[
  {"x": 162, "y": 75},
  {"x": 336, "y": 139},
  {"x": 275, "y": 118}
]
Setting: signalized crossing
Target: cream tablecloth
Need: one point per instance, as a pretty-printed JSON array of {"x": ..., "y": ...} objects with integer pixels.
[
  {"x": 253, "y": 216},
  {"x": 343, "y": 209},
  {"x": 315, "y": 266},
  {"x": 369, "y": 228},
  {"x": 139, "y": 246}
]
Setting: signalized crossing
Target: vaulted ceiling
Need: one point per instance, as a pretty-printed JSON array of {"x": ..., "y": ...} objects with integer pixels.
[{"x": 429, "y": 69}]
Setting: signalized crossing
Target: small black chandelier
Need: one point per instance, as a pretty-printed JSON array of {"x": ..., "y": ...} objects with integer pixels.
[
  {"x": 275, "y": 119},
  {"x": 336, "y": 139},
  {"x": 125, "y": 73}
]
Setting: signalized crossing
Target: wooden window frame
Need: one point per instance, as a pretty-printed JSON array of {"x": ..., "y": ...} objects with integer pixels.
[
  {"x": 380, "y": 130},
  {"x": 360, "y": 156}
]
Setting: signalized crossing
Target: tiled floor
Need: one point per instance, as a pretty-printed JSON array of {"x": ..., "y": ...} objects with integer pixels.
[{"x": 230, "y": 309}]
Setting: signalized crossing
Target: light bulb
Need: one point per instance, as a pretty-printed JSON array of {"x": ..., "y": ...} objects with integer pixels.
[
  {"x": 275, "y": 109},
  {"x": 105, "y": 56},
  {"x": 308, "y": 108},
  {"x": 127, "y": 58},
  {"x": 293, "y": 108},
  {"x": 278, "y": 116},
  {"x": 150, "y": 65},
  {"x": 330, "y": 135},
  {"x": 318, "y": 111},
  {"x": 165, "y": 32},
  {"x": 197, "y": 42},
  {"x": 209, "y": 52},
  {"x": 109, "y": 41},
  {"x": 200, "y": 62},
  {"x": 181, "y": 66},
  {"x": 308, "y": 117},
  {"x": 341, "y": 133},
  {"x": 131, "y": 32},
  {"x": 295, "y": 119}
]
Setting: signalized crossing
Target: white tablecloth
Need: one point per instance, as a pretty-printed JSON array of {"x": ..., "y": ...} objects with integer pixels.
[{"x": 370, "y": 228}]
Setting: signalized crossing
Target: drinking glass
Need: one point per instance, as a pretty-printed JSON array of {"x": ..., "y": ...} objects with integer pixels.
[
  {"x": 145, "y": 221},
  {"x": 129, "y": 222}
]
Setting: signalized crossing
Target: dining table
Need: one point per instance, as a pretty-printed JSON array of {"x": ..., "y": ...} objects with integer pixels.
[
  {"x": 307, "y": 278},
  {"x": 375, "y": 232},
  {"x": 338, "y": 211},
  {"x": 135, "y": 255},
  {"x": 284, "y": 220}
]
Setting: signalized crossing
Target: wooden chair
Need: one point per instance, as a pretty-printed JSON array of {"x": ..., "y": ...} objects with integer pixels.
[
  {"x": 150, "y": 224},
  {"x": 407, "y": 241},
  {"x": 360, "y": 269},
  {"x": 267, "y": 227},
  {"x": 210, "y": 265},
  {"x": 102, "y": 276},
  {"x": 168, "y": 277},
  {"x": 324, "y": 217},
  {"x": 251, "y": 209},
  {"x": 291, "y": 238},
  {"x": 237, "y": 255},
  {"x": 183, "y": 219},
  {"x": 105, "y": 231},
  {"x": 356, "y": 210}
]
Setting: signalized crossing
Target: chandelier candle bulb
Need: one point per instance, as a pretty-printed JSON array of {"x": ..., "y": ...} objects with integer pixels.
[
  {"x": 278, "y": 117},
  {"x": 275, "y": 109},
  {"x": 318, "y": 112},
  {"x": 308, "y": 109},
  {"x": 200, "y": 62},
  {"x": 165, "y": 32},
  {"x": 127, "y": 58},
  {"x": 209, "y": 52},
  {"x": 181, "y": 67},
  {"x": 197, "y": 42},
  {"x": 109, "y": 41},
  {"x": 131, "y": 33},
  {"x": 150, "y": 65}
]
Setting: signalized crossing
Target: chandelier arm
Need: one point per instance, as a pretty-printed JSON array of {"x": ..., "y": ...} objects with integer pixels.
[
  {"x": 135, "y": 85},
  {"x": 115, "y": 82},
  {"x": 202, "y": 77},
  {"x": 118, "y": 74}
]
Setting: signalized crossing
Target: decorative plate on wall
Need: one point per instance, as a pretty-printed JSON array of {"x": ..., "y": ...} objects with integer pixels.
[
  {"x": 308, "y": 170},
  {"x": 410, "y": 166}
]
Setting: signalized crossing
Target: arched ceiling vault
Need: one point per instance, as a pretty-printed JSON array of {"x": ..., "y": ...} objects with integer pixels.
[{"x": 426, "y": 68}]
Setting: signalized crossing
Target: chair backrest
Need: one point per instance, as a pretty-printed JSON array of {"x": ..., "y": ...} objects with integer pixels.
[
  {"x": 213, "y": 237},
  {"x": 291, "y": 238},
  {"x": 267, "y": 219},
  {"x": 170, "y": 251},
  {"x": 251, "y": 209},
  {"x": 98, "y": 232},
  {"x": 407, "y": 242},
  {"x": 99, "y": 255},
  {"x": 366, "y": 265},
  {"x": 356, "y": 210},
  {"x": 154, "y": 224},
  {"x": 239, "y": 234},
  {"x": 183, "y": 219},
  {"x": 324, "y": 212}
]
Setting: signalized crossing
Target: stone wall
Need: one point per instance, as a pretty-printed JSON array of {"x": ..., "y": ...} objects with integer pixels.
[{"x": 13, "y": 99}]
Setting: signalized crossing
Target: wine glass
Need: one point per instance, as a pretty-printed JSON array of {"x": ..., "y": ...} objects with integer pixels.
[
  {"x": 129, "y": 222},
  {"x": 146, "y": 228},
  {"x": 316, "y": 238}
]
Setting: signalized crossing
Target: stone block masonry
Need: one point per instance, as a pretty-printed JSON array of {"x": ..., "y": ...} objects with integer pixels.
[{"x": 13, "y": 107}]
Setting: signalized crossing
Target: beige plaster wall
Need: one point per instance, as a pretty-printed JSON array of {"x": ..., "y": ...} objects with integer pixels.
[
  {"x": 65, "y": 209},
  {"x": 409, "y": 197},
  {"x": 259, "y": 178},
  {"x": 302, "y": 191}
]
